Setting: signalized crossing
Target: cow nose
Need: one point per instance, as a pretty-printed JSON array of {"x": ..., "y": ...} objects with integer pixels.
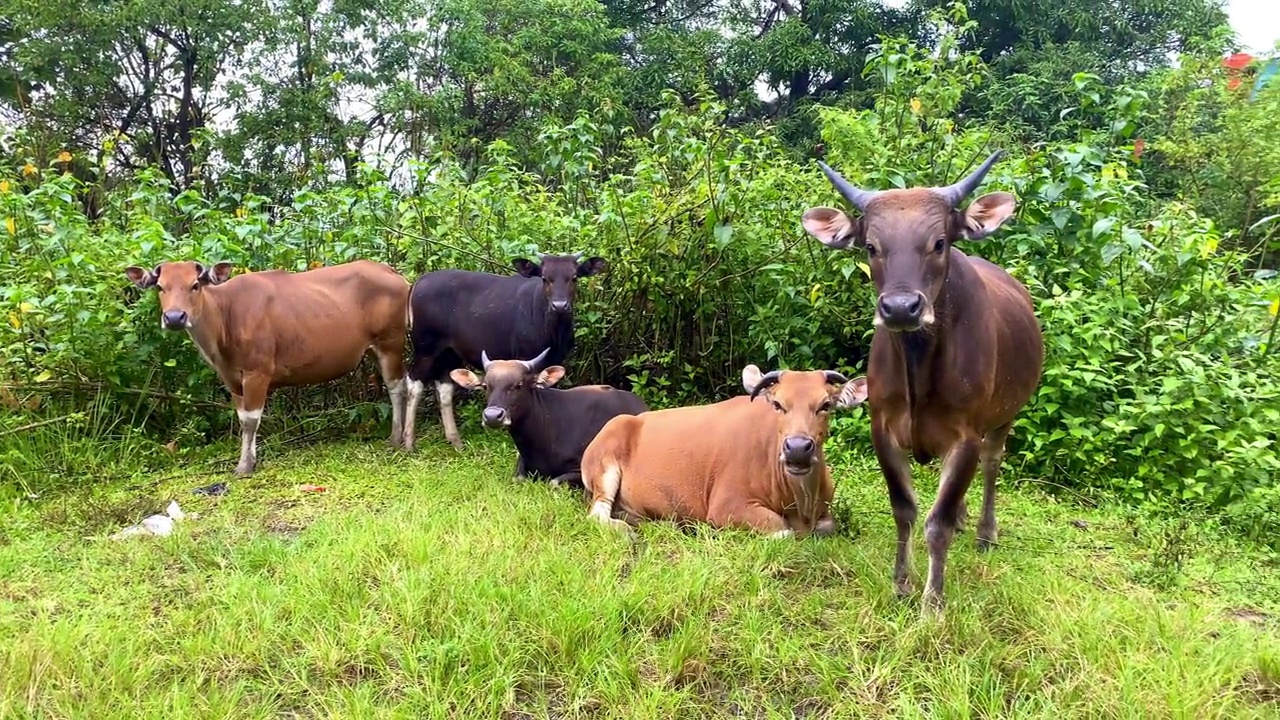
[
  {"x": 902, "y": 309},
  {"x": 798, "y": 450},
  {"x": 175, "y": 319},
  {"x": 494, "y": 416},
  {"x": 559, "y": 305}
]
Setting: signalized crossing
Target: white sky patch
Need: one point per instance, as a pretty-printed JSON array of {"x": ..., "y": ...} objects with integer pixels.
[{"x": 1256, "y": 22}]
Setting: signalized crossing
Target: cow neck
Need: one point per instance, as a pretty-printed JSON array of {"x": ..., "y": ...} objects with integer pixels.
[
  {"x": 209, "y": 331},
  {"x": 803, "y": 490},
  {"x": 536, "y": 421},
  {"x": 918, "y": 350}
]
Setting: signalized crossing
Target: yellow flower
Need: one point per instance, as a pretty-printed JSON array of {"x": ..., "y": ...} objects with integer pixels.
[
  {"x": 11, "y": 226},
  {"x": 4, "y": 186},
  {"x": 1275, "y": 307},
  {"x": 29, "y": 170},
  {"x": 15, "y": 321},
  {"x": 1209, "y": 246},
  {"x": 241, "y": 212},
  {"x": 47, "y": 227},
  {"x": 64, "y": 157},
  {"x": 315, "y": 264},
  {"x": 915, "y": 105}
]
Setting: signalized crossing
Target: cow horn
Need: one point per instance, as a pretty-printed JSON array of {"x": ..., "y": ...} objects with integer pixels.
[
  {"x": 485, "y": 361},
  {"x": 856, "y": 196},
  {"x": 576, "y": 256},
  {"x": 769, "y": 378},
  {"x": 535, "y": 364},
  {"x": 835, "y": 378},
  {"x": 954, "y": 194}
]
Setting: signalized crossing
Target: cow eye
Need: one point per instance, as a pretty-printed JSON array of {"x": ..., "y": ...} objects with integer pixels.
[
  {"x": 824, "y": 408},
  {"x": 778, "y": 406},
  {"x": 871, "y": 250},
  {"x": 940, "y": 245},
  {"x": 195, "y": 286}
]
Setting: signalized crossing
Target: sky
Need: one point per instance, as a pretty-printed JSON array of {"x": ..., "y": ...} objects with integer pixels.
[{"x": 1256, "y": 22}]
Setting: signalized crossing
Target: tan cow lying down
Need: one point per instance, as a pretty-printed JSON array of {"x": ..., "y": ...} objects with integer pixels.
[
  {"x": 754, "y": 461},
  {"x": 265, "y": 330}
]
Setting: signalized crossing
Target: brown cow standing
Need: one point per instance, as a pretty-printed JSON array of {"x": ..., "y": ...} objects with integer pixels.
[
  {"x": 265, "y": 330},
  {"x": 751, "y": 461},
  {"x": 957, "y": 350}
]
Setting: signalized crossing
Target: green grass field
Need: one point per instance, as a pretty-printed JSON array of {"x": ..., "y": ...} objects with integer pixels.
[{"x": 434, "y": 586}]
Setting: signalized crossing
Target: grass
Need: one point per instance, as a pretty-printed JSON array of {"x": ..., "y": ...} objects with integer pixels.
[{"x": 433, "y": 586}]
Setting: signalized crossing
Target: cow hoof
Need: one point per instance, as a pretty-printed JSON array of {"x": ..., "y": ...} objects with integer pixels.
[
  {"x": 987, "y": 541},
  {"x": 931, "y": 609},
  {"x": 825, "y": 527},
  {"x": 243, "y": 471},
  {"x": 457, "y": 445},
  {"x": 904, "y": 588}
]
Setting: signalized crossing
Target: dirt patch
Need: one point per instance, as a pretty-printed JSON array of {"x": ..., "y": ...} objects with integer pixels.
[
  {"x": 1249, "y": 616},
  {"x": 1261, "y": 688},
  {"x": 276, "y": 524}
]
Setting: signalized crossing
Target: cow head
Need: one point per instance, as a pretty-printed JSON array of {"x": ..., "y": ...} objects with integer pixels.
[
  {"x": 559, "y": 275},
  {"x": 803, "y": 402},
  {"x": 179, "y": 285},
  {"x": 508, "y": 386},
  {"x": 908, "y": 236}
]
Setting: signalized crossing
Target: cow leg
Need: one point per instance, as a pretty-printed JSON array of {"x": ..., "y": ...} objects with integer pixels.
[
  {"x": 992, "y": 454},
  {"x": 391, "y": 365},
  {"x": 522, "y": 468},
  {"x": 902, "y": 498},
  {"x": 566, "y": 479},
  {"x": 413, "y": 393},
  {"x": 444, "y": 392},
  {"x": 825, "y": 527},
  {"x": 604, "y": 492},
  {"x": 253, "y": 399},
  {"x": 940, "y": 526},
  {"x": 749, "y": 515}
]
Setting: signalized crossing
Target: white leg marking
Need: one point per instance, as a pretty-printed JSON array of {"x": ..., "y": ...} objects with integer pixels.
[
  {"x": 444, "y": 391},
  {"x": 782, "y": 534},
  {"x": 249, "y": 420},
  {"x": 413, "y": 392},
  {"x": 396, "y": 390},
  {"x": 601, "y": 511}
]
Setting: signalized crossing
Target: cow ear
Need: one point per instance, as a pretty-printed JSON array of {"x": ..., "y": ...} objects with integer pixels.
[
  {"x": 527, "y": 268},
  {"x": 466, "y": 379},
  {"x": 986, "y": 214},
  {"x": 591, "y": 266},
  {"x": 142, "y": 278},
  {"x": 220, "y": 273},
  {"x": 832, "y": 227},
  {"x": 853, "y": 393},
  {"x": 751, "y": 377},
  {"x": 550, "y": 376}
]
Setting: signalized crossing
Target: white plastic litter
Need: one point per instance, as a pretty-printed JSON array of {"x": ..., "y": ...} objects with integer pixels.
[{"x": 160, "y": 525}]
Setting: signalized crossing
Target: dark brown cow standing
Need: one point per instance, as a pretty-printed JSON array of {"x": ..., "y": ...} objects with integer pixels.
[
  {"x": 265, "y": 330},
  {"x": 956, "y": 353}
]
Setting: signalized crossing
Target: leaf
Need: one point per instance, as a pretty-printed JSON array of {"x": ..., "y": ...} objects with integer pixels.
[
  {"x": 1103, "y": 226},
  {"x": 44, "y": 376},
  {"x": 1110, "y": 252},
  {"x": 866, "y": 269},
  {"x": 11, "y": 226},
  {"x": 722, "y": 232}
]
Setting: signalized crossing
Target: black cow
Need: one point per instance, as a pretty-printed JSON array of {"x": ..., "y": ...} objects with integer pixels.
[
  {"x": 551, "y": 428},
  {"x": 455, "y": 315}
]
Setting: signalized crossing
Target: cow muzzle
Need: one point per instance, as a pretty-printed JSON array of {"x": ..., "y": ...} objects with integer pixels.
[
  {"x": 495, "y": 417},
  {"x": 560, "y": 306},
  {"x": 797, "y": 454},
  {"x": 903, "y": 311},
  {"x": 175, "y": 320}
]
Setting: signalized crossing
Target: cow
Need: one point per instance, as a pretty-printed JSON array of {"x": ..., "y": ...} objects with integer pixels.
[
  {"x": 753, "y": 461},
  {"x": 454, "y": 315},
  {"x": 956, "y": 351},
  {"x": 264, "y": 330},
  {"x": 550, "y": 427}
]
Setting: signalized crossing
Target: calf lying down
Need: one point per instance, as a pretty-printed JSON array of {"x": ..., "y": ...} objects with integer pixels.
[
  {"x": 753, "y": 461},
  {"x": 549, "y": 427}
]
